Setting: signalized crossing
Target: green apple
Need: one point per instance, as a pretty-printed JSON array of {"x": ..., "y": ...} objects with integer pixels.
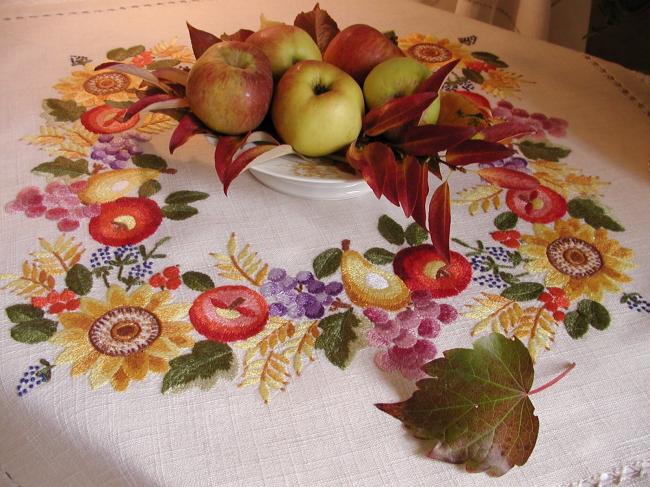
[
  {"x": 317, "y": 108},
  {"x": 285, "y": 45},
  {"x": 397, "y": 77}
]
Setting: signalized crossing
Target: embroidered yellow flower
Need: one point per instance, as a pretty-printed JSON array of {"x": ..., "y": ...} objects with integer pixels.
[
  {"x": 432, "y": 51},
  {"x": 90, "y": 88},
  {"x": 577, "y": 258},
  {"x": 124, "y": 337},
  {"x": 501, "y": 83}
]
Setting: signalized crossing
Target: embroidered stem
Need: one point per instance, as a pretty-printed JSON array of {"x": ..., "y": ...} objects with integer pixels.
[{"x": 558, "y": 378}]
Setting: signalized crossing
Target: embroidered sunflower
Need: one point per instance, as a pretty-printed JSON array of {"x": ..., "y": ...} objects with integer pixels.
[
  {"x": 432, "y": 51},
  {"x": 577, "y": 258},
  {"x": 501, "y": 83},
  {"x": 124, "y": 337},
  {"x": 90, "y": 88}
]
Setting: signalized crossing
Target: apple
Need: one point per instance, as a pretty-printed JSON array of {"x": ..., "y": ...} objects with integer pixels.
[
  {"x": 359, "y": 48},
  {"x": 317, "y": 108},
  {"x": 230, "y": 87},
  {"x": 285, "y": 45}
]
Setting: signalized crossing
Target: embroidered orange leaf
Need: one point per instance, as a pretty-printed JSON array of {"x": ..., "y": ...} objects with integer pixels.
[
  {"x": 479, "y": 197},
  {"x": 304, "y": 346},
  {"x": 171, "y": 49},
  {"x": 494, "y": 313},
  {"x": 241, "y": 264},
  {"x": 32, "y": 281},
  {"x": 440, "y": 221},
  {"x": 508, "y": 178},
  {"x": 58, "y": 257},
  {"x": 156, "y": 123}
]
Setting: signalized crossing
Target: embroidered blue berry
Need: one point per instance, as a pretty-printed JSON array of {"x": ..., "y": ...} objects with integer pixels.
[{"x": 34, "y": 376}]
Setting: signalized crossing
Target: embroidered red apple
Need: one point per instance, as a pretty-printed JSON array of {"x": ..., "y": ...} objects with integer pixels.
[
  {"x": 229, "y": 313},
  {"x": 125, "y": 221},
  {"x": 422, "y": 268},
  {"x": 106, "y": 119},
  {"x": 539, "y": 205}
]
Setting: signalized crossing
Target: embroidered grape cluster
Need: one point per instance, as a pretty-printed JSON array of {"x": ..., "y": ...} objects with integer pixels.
[
  {"x": 34, "y": 376},
  {"x": 636, "y": 302},
  {"x": 540, "y": 123},
  {"x": 109, "y": 256},
  {"x": 490, "y": 280},
  {"x": 299, "y": 295},
  {"x": 500, "y": 254},
  {"x": 140, "y": 271},
  {"x": 116, "y": 150},
  {"x": 405, "y": 339}
]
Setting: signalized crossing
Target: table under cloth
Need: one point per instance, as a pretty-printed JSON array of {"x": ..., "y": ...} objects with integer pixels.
[{"x": 108, "y": 423}]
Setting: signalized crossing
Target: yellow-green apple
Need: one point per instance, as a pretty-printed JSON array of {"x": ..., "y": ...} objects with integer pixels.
[
  {"x": 359, "y": 48},
  {"x": 285, "y": 45},
  {"x": 230, "y": 87},
  {"x": 398, "y": 77},
  {"x": 317, "y": 108}
]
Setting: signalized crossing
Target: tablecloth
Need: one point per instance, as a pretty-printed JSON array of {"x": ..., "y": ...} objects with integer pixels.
[{"x": 92, "y": 417}]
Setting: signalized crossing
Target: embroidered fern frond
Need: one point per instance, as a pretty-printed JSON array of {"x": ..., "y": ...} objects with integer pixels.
[
  {"x": 156, "y": 123},
  {"x": 536, "y": 326},
  {"x": 33, "y": 281},
  {"x": 241, "y": 264},
  {"x": 274, "y": 374},
  {"x": 302, "y": 345},
  {"x": 57, "y": 258},
  {"x": 482, "y": 197},
  {"x": 494, "y": 312}
]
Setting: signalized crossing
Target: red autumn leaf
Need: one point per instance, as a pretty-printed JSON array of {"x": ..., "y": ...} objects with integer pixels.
[
  {"x": 241, "y": 35},
  {"x": 224, "y": 152},
  {"x": 440, "y": 221},
  {"x": 372, "y": 161},
  {"x": 475, "y": 151},
  {"x": 437, "y": 78},
  {"x": 408, "y": 184},
  {"x": 319, "y": 25},
  {"x": 508, "y": 178},
  {"x": 506, "y": 130},
  {"x": 187, "y": 127},
  {"x": 155, "y": 102},
  {"x": 480, "y": 101},
  {"x": 235, "y": 168},
  {"x": 396, "y": 112},
  {"x": 201, "y": 40},
  {"x": 420, "y": 209},
  {"x": 428, "y": 140}
]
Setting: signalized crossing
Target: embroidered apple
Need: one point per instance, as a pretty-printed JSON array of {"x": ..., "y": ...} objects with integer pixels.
[
  {"x": 422, "y": 269},
  {"x": 540, "y": 205},
  {"x": 106, "y": 119},
  {"x": 229, "y": 313},
  {"x": 125, "y": 221}
]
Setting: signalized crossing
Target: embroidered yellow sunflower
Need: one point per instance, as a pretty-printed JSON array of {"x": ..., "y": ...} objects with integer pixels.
[
  {"x": 90, "y": 88},
  {"x": 577, "y": 258},
  {"x": 501, "y": 83},
  {"x": 124, "y": 337},
  {"x": 432, "y": 51}
]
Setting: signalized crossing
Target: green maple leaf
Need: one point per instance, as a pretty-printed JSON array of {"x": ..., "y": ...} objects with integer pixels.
[{"x": 475, "y": 407}]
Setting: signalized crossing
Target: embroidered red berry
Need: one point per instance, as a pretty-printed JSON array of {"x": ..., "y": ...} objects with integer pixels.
[
  {"x": 56, "y": 308},
  {"x": 509, "y": 238},
  {"x": 52, "y": 297},
  {"x": 173, "y": 283},
  {"x": 558, "y": 316},
  {"x": 540, "y": 205},
  {"x": 72, "y": 304},
  {"x": 157, "y": 280},
  {"x": 555, "y": 298},
  {"x": 229, "y": 313},
  {"x": 67, "y": 295},
  {"x": 39, "y": 301},
  {"x": 106, "y": 119},
  {"x": 171, "y": 272},
  {"x": 125, "y": 221}
]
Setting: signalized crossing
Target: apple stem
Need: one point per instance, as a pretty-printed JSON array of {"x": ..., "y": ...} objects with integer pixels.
[
  {"x": 236, "y": 303},
  {"x": 345, "y": 245},
  {"x": 558, "y": 378}
]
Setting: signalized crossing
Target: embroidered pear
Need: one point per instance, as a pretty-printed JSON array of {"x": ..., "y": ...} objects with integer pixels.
[
  {"x": 111, "y": 185},
  {"x": 368, "y": 285}
]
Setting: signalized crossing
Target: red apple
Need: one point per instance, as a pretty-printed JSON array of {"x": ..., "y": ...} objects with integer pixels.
[
  {"x": 359, "y": 48},
  {"x": 230, "y": 86},
  {"x": 285, "y": 45}
]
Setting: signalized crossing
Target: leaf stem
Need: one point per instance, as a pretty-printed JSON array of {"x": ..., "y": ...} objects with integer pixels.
[{"x": 558, "y": 378}]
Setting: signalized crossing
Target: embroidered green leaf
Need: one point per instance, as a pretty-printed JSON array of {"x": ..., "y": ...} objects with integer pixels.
[
  {"x": 79, "y": 279},
  {"x": 473, "y": 76},
  {"x": 62, "y": 166},
  {"x": 390, "y": 230},
  {"x": 179, "y": 212},
  {"x": 33, "y": 331},
  {"x": 120, "y": 54},
  {"x": 149, "y": 188},
  {"x": 540, "y": 150},
  {"x": 200, "y": 367},
  {"x": 339, "y": 331},
  {"x": 476, "y": 406},
  {"x": 19, "y": 313},
  {"x": 595, "y": 313},
  {"x": 506, "y": 220},
  {"x": 523, "y": 291},
  {"x": 416, "y": 234},
  {"x": 149, "y": 161},
  {"x": 184, "y": 197},
  {"x": 326, "y": 263},
  {"x": 489, "y": 58},
  {"x": 379, "y": 256},
  {"x": 576, "y": 325},
  {"x": 197, "y": 281},
  {"x": 593, "y": 214},
  {"x": 63, "y": 110},
  {"x": 163, "y": 63}
]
